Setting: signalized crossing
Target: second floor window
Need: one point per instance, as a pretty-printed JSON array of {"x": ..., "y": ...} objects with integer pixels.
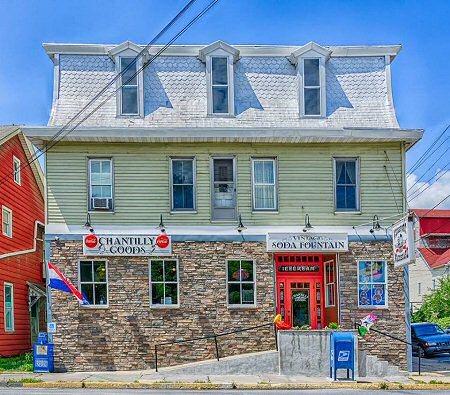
[
  {"x": 311, "y": 87},
  {"x": 100, "y": 184},
  {"x": 264, "y": 184},
  {"x": 6, "y": 221},
  {"x": 219, "y": 85},
  {"x": 16, "y": 168},
  {"x": 183, "y": 184},
  {"x": 346, "y": 185},
  {"x": 129, "y": 89}
]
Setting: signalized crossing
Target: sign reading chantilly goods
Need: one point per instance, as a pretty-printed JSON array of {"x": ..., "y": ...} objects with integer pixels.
[
  {"x": 307, "y": 242},
  {"x": 127, "y": 245}
]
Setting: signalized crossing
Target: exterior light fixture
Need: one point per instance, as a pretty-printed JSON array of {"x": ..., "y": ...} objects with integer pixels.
[
  {"x": 88, "y": 225},
  {"x": 375, "y": 224},
  {"x": 240, "y": 226},
  {"x": 308, "y": 225},
  {"x": 161, "y": 226}
]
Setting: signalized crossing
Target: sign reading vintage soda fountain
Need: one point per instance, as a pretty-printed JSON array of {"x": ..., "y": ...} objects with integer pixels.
[
  {"x": 127, "y": 245},
  {"x": 307, "y": 242}
]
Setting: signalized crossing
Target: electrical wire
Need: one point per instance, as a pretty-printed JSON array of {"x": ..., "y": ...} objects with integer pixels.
[{"x": 415, "y": 194}]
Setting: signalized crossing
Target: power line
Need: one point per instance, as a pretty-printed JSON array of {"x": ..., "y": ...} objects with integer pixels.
[
  {"x": 424, "y": 215},
  {"x": 424, "y": 156},
  {"x": 35, "y": 156},
  {"x": 416, "y": 193}
]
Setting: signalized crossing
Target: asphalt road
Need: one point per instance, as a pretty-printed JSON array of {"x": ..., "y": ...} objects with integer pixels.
[
  {"x": 30, "y": 391},
  {"x": 436, "y": 364}
]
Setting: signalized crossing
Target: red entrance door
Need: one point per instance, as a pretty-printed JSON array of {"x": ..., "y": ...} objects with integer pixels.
[{"x": 300, "y": 289}]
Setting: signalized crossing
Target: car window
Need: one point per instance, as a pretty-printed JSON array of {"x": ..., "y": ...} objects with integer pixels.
[{"x": 426, "y": 330}]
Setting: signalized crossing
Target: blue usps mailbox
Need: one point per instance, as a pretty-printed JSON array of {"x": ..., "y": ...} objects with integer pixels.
[
  {"x": 43, "y": 354},
  {"x": 342, "y": 353}
]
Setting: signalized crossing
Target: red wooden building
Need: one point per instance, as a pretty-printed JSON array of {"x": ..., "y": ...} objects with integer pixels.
[{"x": 22, "y": 212}]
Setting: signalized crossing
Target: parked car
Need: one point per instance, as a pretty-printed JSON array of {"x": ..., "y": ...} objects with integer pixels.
[{"x": 431, "y": 338}]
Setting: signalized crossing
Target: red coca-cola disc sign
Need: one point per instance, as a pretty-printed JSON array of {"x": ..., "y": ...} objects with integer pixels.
[
  {"x": 91, "y": 241},
  {"x": 162, "y": 241}
]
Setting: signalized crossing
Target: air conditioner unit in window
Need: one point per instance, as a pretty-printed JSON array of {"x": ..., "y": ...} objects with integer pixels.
[{"x": 102, "y": 203}]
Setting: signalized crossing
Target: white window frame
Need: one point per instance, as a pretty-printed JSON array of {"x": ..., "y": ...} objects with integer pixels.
[
  {"x": 194, "y": 181},
  {"x": 386, "y": 282},
  {"x": 275, "y": 183},
  {"x": 163, "y": 305},
  {"x": 90, "y": 205},
  {"x": 327, "y": 284},
  {"x": 230, "y": 75},
  {"x": 92, "y": 305},
  {"x": 357, "y": 210},
  {"x": 131, "y": 86},
  {"x": 10, "y": 213},
  {"x": 17, "y": 172},
  {"x": 321, "y": 86},
  {"x": 10, "y": 285},
  {"x": 240, "y": 282}
]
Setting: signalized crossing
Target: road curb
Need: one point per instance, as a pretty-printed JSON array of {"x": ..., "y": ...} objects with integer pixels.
[{"x": 256, "y": 386}]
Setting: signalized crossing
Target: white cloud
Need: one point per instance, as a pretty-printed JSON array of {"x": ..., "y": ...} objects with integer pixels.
[{"x": 431, "y": 196}]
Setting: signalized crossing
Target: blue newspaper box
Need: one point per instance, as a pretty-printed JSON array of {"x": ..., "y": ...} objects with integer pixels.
[
  {"x": 43, "y": 354},
  {"x": 342, "y": 353}
]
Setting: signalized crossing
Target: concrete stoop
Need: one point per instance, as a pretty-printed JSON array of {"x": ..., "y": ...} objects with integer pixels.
[
  {"x": 372, "y": 366},
  {"x": 264, "y": 362}
]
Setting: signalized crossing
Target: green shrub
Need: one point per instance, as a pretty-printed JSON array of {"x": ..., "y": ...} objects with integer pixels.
[{"x": 21, "y": 363}]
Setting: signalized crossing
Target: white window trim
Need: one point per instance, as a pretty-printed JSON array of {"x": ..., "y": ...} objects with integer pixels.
[
  {"x": 230, "y": 72},
  {"x": 322, "y": 86},
  {"x": 194, "y": 181},
  {"x": 10, "y": 212},
  {"x": 94, "y": 306},
  {"x": 163, "y": 306},
  {"x": 6, "y": 284},
  {"x": 275, "y": 178},
  {"x": 17, "y": 173},
  {"x": 89, "y": 187},
  {"x": 368, "y": 307},
  {"x": 327, "y": 304},
  {"x": 241, "y": 305},
  {"x": 129, "y": 53},
  {"x": 358, "y": 192}
]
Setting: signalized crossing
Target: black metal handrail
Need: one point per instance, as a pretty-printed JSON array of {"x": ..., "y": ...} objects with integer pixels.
[
  {"x": 213, "y": 336},
  {"x": 357, "y": 325}
]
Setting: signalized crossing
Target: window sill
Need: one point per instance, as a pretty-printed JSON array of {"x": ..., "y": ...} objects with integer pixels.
[
  {"x": 101, "y": 212},
  {"x": 8, "y": 236},
  {"x": 10, "y": 332},
  {"x": 312, "y": 117},
  {"x": 221, "y": 116},
  {"x": 358, "y": 212},
  {"x": 374, "y": 307},
  {"x": 183, "y": 212},
  {"x": 242, "y": 306},
  {"x": 94, "y": 307},
  {"x": 265, "y": 212},
  {"x": 132, "y": 116},
  {"x": 164, "y": 306}
]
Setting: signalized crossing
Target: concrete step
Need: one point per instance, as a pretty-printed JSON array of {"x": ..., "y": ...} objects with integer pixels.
[
  {"x": 371, "y": 366},
  {"x": 252, "y": 363}
]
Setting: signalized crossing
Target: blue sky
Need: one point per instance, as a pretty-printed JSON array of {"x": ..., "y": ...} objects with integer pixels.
[{"x": 421, "y": 79}]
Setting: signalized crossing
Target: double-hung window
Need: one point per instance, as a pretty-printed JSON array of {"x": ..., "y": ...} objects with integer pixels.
[
  {"x": 129, "y": 87},
  {"x": 164, "y": 283},
  {"x": 8, "y": 296},
  {"x": 311, "y": 87},
  {"x": 241, "y": 279},
  {"x": 7, "y": 221},
  {"x": 372, "y": 284},
  {"x": 183, "y": 184},
  {"x": 94, "y": 282},
  {"x": 330, "y": 284},
  {"x": 346, "y": 184},
  {"x": 16, "y": 168},
  {"x": 264, "y": 174},
  {"x": 100, "y": 184},
  {"x": 220, "y": 92}
]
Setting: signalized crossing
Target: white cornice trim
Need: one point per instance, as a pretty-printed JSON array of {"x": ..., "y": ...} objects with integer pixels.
[
  {"x": 209, "y": 49},
  {"x": 311, "y": 46},
  {"x": 244, "y": 50},
  {"x": 39, "y": 135}
]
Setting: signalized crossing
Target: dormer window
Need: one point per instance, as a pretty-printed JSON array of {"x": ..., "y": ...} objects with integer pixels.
[
  {"x": 310, "y": 61},
  {"x": 130, "y": 85},
  {"x": 219, "y": 85},
  {"x": 220, "y": 58},
  {"x": 129, "y": 90}
]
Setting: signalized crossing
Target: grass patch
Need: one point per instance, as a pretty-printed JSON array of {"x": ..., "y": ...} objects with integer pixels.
[
  {"x": 436, "y": 382},
  {"x": 22, "y": 363},
  {"x": 25, "y": 380}
]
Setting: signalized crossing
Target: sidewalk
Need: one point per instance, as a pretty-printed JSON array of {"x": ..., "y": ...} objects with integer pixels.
[{"x": 151, "y": 379}]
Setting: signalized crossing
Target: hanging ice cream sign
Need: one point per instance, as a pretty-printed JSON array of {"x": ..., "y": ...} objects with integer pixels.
[
  {"x": 307, "y": 242},
  {"x": 127, "y": 245},
  {"x": 402, "y": 238}
]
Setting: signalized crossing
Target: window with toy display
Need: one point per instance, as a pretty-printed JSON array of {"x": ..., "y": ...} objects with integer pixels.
[{"x": 372, "y": 284}]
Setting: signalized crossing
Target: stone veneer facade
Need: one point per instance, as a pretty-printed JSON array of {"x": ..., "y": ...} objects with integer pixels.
[{"x": 122, "y": 336}]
